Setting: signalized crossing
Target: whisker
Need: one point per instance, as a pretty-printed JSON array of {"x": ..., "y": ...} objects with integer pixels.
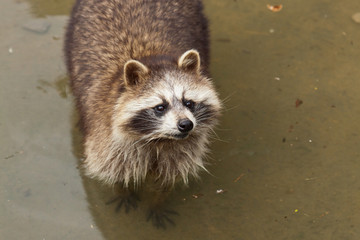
[
  {"x": 231, "y": 108},
  {"x": 212, "y": 130},
  {"x": 218, "y": 139},
  {"x": 226, "y": 99}
]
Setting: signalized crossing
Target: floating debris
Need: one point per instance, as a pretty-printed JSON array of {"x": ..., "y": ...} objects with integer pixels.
[
  {"x": 298, "y": 102},
  {"x": 220, "y": 191},
  {"x": 14, "y": 154},
  {"x": 239, "y": 177},
  {"x": 11, "y": 50},
  {"x": 356, "y": 17},
  {"x": 10, "y": 156},
  {"x": 196, "y": 196},
  {"x": 324, "y": 214},
  {"x": 291, "y": 128},
  {"x": 275, "y": 8}
]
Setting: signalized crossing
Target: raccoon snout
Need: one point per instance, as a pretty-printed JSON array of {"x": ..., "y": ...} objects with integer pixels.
[{"x": 185, "y": 125}]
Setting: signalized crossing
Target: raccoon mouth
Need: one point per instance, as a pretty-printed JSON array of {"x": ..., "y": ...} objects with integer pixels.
[{"x": 178, "y": 136}]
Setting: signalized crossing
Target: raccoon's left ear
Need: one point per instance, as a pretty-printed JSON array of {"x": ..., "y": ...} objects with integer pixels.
[
  {"x": 190, "y": 61},
  {"x": 134, "y": 72}
]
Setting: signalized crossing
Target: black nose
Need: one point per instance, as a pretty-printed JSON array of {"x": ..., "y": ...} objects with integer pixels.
[{"x": 185, "y": 125}]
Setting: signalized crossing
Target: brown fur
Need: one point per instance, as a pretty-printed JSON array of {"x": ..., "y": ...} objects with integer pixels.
[{"x": 102, "y": 36}]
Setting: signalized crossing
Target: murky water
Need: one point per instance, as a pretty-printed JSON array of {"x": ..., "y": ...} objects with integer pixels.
[{"x": 288, "y": 158}]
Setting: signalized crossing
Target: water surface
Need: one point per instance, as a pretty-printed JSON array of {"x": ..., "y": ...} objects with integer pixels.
[{"x": 287, "y": 159}]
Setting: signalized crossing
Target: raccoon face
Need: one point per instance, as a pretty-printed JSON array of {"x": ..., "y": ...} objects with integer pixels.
[
  {"x": 175, "y": 120},
  {"x": 168, "y": 103}
]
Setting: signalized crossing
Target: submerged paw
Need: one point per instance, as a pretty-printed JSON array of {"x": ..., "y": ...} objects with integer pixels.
[
  {"x": 160, "y": 218},
  {"x": 128, "y": 201}
]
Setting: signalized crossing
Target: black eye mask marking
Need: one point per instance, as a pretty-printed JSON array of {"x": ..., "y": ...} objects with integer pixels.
[
  {"x": 161, "y": 109},
  {"x": 144, "y": 122},
  {"x": 189, "y": 104},
  {"x": 204, "y": 113}
]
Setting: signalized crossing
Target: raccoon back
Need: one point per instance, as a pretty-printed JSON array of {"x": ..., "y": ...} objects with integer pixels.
[{"x": 103, "y": 35}]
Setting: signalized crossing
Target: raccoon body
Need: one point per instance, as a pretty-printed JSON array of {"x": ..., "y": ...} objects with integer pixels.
[{"x": 139, "y": 73}]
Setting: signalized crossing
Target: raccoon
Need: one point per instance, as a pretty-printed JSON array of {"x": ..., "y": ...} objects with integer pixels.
[{"x": 139, "y": 74}]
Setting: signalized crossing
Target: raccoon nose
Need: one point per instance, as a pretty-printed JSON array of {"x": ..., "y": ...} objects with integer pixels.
[{"x": 185, "y": 125}]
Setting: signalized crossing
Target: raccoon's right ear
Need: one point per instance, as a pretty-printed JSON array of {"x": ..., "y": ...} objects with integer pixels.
[{"x": 134, "y": 72}]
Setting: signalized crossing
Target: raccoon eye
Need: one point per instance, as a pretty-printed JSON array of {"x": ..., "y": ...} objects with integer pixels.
[
  {"x": 189, "y": 104},
  {"x": 160, "y": 108}
]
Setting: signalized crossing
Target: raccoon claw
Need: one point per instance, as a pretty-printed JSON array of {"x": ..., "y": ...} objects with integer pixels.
[
  {"x": 160, "y": 218},
  {"x": 129, "y": 202}
]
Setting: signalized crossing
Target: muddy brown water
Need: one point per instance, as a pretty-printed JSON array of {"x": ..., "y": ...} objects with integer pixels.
[{"x": 287, "y": 152}]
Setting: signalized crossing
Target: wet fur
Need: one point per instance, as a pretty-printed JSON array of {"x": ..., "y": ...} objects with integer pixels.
[{"x": 102, "y": 37}]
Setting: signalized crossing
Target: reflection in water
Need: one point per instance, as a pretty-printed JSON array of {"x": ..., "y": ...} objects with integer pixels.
[
  {"x": 60, "y": 85},
  {"x": 43, "y": 8}
]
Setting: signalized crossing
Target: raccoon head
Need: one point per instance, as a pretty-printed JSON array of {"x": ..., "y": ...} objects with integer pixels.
[{"x": 165, "y": 99}]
